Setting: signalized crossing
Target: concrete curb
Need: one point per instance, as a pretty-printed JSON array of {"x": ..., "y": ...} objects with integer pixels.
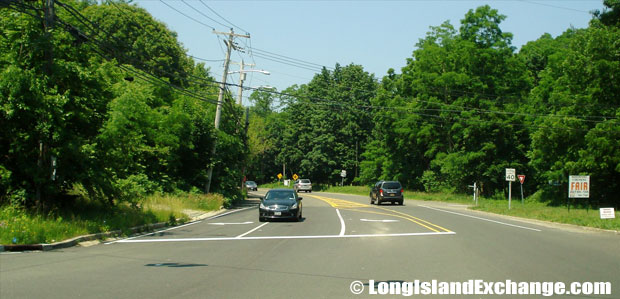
[
  {"x": 99, "y": 236},
  {"x": 75, "y": 241}
]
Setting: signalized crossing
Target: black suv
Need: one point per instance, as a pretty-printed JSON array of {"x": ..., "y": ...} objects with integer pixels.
[{"x": 384, "y": 191}]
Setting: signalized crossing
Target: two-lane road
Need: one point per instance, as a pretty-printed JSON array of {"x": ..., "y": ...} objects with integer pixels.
[{"x": 341, "y": 239}]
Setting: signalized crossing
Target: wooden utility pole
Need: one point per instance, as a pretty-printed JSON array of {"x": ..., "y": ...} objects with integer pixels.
[
  {"x": 220, "y": 98},
  {"x": 48, "y": 25}
]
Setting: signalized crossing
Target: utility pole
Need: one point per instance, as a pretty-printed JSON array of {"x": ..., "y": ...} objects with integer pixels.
[
  {"x": 48, "y": 25},
  {"x": 245, "y": 143},
  {"x": 241, "y": 79},
  {"x": 220, "y": 98}
]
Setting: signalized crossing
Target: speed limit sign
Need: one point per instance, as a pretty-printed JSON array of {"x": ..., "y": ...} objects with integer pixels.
[{"x": 511, "y": 174}]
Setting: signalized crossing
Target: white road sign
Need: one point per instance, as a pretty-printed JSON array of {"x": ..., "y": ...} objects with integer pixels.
[
  {"x": 579, "y": 186},
  {"x": 511, "y": 174},
  {"x": 607, "y": 213}
]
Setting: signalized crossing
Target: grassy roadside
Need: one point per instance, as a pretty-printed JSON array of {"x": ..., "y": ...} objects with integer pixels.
[
  {"x": 530, "y": 209},
  {"x": 541, "y": 211},
  {"x": 82, "y": 217}
]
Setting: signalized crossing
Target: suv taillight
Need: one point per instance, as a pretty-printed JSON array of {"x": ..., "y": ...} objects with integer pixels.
[
  {"x": 381, "y": 192},
  {"x": 402, "y": 190}
]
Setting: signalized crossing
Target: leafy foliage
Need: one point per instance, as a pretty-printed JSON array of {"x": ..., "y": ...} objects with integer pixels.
[{"x": 79, "y": 119}]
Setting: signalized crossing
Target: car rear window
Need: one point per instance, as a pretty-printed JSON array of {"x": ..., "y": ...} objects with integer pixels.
[
  {"x": 305, "y": 181},
  {"x": 391, "y": 185},
  {"x": 279, "y": 195}
]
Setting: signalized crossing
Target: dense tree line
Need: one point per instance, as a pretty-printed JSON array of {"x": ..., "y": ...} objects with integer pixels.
[
  {"x": 106, "y": 102},
  {"x": 466, "y": 106}
]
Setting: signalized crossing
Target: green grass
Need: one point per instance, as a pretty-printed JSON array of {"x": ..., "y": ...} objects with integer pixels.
[
  {"x": 357, "y": 190},
  {"x": 276, "y": 185},
  {"x": 82, "y": 217},
  {"x": 541, "y": 211}
]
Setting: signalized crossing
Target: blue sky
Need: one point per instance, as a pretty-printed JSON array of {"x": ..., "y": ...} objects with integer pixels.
[{"x": 375, "y": 34}]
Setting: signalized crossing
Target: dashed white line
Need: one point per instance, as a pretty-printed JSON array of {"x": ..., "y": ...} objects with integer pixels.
[
  {"x": 184, "y": 225},
  {"x": 480, "y": 218},
  {"x": 231, "y": 223},
  {"x": 252, "y": 230},
  {"x": 379, "y": 220}
]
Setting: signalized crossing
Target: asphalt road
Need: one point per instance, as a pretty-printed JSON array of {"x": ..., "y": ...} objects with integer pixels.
[{"x": 341, "y": 239}]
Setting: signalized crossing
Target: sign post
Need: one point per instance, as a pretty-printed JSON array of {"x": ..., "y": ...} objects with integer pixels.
[
  {"x": 510, "y": 177},
  {"x": 521, "y": 180}
]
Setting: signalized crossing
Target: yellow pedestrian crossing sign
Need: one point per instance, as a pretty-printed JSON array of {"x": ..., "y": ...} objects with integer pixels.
[
  {"x": 279, "y": 176},
  {"x": 295, "y": 177}
]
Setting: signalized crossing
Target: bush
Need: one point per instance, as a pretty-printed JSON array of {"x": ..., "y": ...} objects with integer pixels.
[
  {"x": 134, "y": 189},
  {"x": 430, "y": 181}
]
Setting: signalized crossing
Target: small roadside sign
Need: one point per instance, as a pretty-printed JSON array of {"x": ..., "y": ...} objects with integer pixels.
[
  {"x": 343, "y": 173},
  {"x": 511, "y": 174},
  {"x": 521, "y": 178},
  {"x": 579, "y": 186},
  {"x": 279, "y": 176},
  {"x": 510, "y": 177},
  {"x": 607, "y": 213},
  {"x": 295, "y": 176}
]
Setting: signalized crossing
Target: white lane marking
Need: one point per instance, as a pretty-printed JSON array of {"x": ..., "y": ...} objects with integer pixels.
[
  {"x": 184, "y": 225},
  {"x": 342, "y": 227},
  {"x": 233, "y": 223},
  {"x": 379, "y": 220},
  {"x": 228, "y": 213},
  {"x": 252, "y": 230},
  {"x": 287, "y": 237},
  {"x": 480, "y": 218}
]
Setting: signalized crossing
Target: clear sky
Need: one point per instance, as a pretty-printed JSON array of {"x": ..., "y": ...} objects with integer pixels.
[{"x": 378, "y": 35}]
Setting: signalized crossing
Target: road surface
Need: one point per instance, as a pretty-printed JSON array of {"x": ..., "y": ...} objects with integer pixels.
[{"x": 342, "y": 239}]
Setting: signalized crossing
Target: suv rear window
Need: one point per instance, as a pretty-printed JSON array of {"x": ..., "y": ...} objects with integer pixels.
[
  {"x": 391, "y": 185},
  {"x": 305, "y": 181}
]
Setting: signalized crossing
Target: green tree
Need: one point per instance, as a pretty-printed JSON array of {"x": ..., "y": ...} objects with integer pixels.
[
  {"x": 329, "y": 124},
  {"x": 450, "y": 126}
]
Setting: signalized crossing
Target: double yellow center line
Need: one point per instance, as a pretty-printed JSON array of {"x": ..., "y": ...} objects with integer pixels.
[{"x": 362, "y": 208}]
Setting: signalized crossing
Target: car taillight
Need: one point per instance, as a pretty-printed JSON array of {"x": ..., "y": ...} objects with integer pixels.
[
  {"x": 381, "y": 192},
  {"x": 402, "y": 190}
]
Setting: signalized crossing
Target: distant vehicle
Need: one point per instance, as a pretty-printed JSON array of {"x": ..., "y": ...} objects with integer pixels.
[
  {"x": 387, "y": 191},
  {"x": 303, "y": 185},
  {"x": 280, "y": 203},
  {"x": 251, "y": 185}
]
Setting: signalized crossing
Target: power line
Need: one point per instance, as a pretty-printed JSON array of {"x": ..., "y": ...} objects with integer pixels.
[
  {"x": 201, "y": 23},
  {"x": 200, "y": 12},
  {"x": 151, "y": 78},
  {"x": 287, "y": 63},
  {"x": 207, "y": 6},
  {"x": 289, "y": 59}
]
